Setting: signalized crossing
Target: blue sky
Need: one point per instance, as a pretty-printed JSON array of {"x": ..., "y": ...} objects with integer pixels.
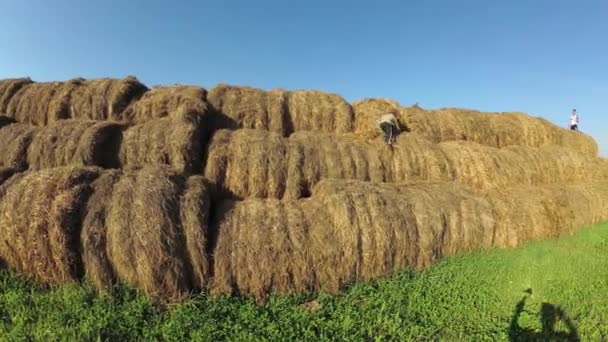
[{"x": 540, "y": 57}]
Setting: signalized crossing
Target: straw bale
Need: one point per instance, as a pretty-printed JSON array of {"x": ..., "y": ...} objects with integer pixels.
[
  {"x": 177, "y": 142},
  {"x": 263, "y": 245},
  {"x": 246, "y": 163},
  {"x": 178, "y": 101},
  {"x": 8, "y": 88},
  {"x": 74, "y": 142},
  {"x": 103, "y": 98},
  {"x": 280, "y": 111},
  {"x": 148, "y": 229},
  {"x": 97, "y": 99},
  {"x": 15, "y": 140},
  {"x": 43, "y": 244},
  {"x": 98, "y": 268},
  {"x": 311, "y": 110},
  {"x": 247, "y": 107}
]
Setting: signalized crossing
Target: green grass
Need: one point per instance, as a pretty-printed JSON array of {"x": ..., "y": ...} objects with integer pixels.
[{"x": 475, "y": 297}]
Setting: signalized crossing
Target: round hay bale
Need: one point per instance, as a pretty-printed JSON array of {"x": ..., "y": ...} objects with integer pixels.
[
  {"x": 176, "y": 142},
  {"x": 74, "y": 142},
  {"x": 98, "y": 268},
  {"x": 103, "y": 98},
  {"x": 263, "y": 246},
  {"x": 246, "y": 107},
  {"x": 15, "y": 140},
  {"x": 40, "y": 103},
  {"x": 311, "y": 110},
  {"x": 43, "y": 244},
  {"x": 169, "y": 101},
  {"x": 8, "y": 88},
  {"x": 154, "y": 222},
  {"x": 100, "y": 99},
  {"x": 247, "y": 163}
]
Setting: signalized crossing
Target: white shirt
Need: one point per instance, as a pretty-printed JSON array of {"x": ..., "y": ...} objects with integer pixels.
[{"x": 573, "y": 119}]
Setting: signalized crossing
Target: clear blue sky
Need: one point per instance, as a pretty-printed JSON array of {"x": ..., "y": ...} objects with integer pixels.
[{"x": 542, "y": 57}]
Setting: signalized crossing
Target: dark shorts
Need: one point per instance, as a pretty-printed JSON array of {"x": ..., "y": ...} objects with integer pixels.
[
  {"x": 387, "y": 128},
  {"x": 574, "y": 127}
]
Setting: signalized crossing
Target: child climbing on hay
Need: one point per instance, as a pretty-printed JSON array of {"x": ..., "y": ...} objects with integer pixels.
[{"x": 390, "y": 126}]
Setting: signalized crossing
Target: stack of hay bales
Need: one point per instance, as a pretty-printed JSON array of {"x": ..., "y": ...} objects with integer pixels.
[
  {"x": 349, "y": 230},
  {"x": 172, "y": 190},
  {"x": 146, "y": 228},
  {"x": 490, "y": 129},
  {"x": 253, "y": 163}
]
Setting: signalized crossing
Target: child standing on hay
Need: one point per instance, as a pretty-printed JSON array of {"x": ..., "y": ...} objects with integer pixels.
[
  {"x": 390, "y": 126},
  {"x": 574, "y": 120}
]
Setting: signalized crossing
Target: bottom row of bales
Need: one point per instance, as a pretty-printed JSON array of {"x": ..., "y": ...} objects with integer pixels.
[{"x": 157, "y": 230}]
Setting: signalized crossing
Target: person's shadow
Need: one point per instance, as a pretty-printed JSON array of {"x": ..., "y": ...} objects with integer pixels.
[{"x": 550, "y": 314}]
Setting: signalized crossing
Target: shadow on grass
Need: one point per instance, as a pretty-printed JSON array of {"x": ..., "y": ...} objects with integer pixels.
[{"x": 549, "y": 315}]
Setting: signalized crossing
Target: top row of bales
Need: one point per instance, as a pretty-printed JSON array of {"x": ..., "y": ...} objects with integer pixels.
[{"x": 279, "y": 111}]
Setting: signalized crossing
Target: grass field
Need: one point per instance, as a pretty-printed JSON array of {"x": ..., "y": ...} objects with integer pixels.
[{"x": 548, "y": 290}]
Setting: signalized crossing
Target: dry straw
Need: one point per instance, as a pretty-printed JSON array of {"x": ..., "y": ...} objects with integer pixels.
[
  {"x": 451, "y": 124},
  {"x": 97, "y": 99},
  {"x": 8, "y": 88},
  {"x": 350, "y": 231},
  {"x": 40, "y": 222},
  {"x": 253, "y": 163},
  {"x": 280, "y": 111},
  {"x": 148, "y": 229},
  {"x": 186, "y": 102},
  {"x": 177, "y": 142},
  {"x": 68, "y": 142}
]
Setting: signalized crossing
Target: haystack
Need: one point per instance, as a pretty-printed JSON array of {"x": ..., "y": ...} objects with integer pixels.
[
  {"x": 147, "y": 229},
  {"x": 169, "y": 101},
  {"x": 8, "y": 88},
  {"x": 68, "y": 142},
  {"x": 349, "y": 230},
  {"x": 177, "y": 142},
  {"x": 40, "y": 222},
  {"x": 98, "y": 99},
  {"x": 245, "y": 107}
]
